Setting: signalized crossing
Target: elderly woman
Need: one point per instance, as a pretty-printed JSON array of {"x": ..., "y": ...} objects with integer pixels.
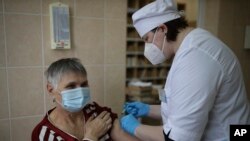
[{"x": 75, "y": 117}]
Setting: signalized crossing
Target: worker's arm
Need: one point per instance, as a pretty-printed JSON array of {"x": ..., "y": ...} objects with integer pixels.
[
  {"x": 155, "y": 111},
  {"x": 149, "y": 133}
]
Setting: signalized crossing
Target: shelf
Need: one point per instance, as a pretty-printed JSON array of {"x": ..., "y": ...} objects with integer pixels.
[
  {"x": 130, "y": 26},
  {"x": 149, "y": 66},
  {"x": 146, "y": 78},
  {"x": 132, "y": 10},
  {"x": 137, "y": 65},
  {"x": 135, "y": 53},
  {"x": 134, "y": 40}
]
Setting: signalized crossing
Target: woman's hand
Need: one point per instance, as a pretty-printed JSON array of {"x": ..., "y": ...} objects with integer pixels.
[{"x": 97, "y": 126}]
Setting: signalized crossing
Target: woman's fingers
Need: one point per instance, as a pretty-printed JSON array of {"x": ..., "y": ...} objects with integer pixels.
[
  {"x": 99, "y": 125},
  {"x": 109, "y": 121},
  {"x": 102, "y": 114},
  {"x": 90, "y": 118},
  {"x": 103, "y": 120},
  {"x": 106, "y": 117}
]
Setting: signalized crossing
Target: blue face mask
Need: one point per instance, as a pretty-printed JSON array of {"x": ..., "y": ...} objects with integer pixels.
[{"x": 75, "y": 99}]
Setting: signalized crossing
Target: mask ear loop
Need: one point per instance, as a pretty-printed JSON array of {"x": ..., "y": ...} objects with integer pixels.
[
  {"x": 54, "y": 99},
  {"x": 154, "y": 35},
  {"x": 163, "y": 43}
]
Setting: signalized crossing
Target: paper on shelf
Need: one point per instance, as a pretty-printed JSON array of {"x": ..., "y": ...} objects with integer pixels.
[{"x": 140, "y": 84}]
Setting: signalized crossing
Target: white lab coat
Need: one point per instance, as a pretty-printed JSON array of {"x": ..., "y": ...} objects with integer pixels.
[{"x": 204, "y": 91}]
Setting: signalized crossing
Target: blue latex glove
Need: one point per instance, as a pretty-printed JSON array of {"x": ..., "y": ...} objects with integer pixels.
[
  {"x": 129, "y": 123},
  {"x": 137, "y": 109}
]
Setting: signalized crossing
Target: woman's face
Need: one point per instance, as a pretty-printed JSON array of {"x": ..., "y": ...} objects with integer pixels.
[{"x": 69, "y": 81}]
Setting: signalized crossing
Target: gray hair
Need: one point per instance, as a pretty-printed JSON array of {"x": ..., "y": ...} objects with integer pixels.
[{"x": 62, "y": 66}]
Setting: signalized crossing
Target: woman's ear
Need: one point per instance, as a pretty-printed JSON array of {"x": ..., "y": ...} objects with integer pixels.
[{"x": 50, "y": 88}]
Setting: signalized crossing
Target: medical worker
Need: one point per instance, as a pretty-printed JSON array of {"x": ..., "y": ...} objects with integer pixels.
[{"x": 204, "y": 91}]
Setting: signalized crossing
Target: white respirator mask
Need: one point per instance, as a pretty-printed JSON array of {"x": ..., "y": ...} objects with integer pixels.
[{"x": 153, "y": 53}]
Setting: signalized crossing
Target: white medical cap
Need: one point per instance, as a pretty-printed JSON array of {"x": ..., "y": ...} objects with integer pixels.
[{"x": 154, "y": 14}]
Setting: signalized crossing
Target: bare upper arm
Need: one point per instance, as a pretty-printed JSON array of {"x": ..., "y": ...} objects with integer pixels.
[{"x": 117, "y": 134}]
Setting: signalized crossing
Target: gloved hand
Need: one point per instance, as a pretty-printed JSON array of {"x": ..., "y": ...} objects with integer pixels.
[
  {"x": 129, "y": 123},
  {"x": 137, "y": 109}
]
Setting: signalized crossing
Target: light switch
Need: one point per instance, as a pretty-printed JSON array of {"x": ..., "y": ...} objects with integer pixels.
[{"x": 247, "y": 37}]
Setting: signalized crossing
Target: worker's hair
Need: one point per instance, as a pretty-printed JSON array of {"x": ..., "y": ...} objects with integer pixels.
[
  {"x": 174, "y": 27},
  {"x": 60, "y": 67}
]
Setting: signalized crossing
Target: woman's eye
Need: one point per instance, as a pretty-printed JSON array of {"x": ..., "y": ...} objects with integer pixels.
[
  {"x": 85, "y": 84},
  {"x": 71, "y": 87}
]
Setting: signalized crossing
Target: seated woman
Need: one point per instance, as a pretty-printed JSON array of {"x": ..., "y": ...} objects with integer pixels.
[{"x": 75, "y": 117}]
